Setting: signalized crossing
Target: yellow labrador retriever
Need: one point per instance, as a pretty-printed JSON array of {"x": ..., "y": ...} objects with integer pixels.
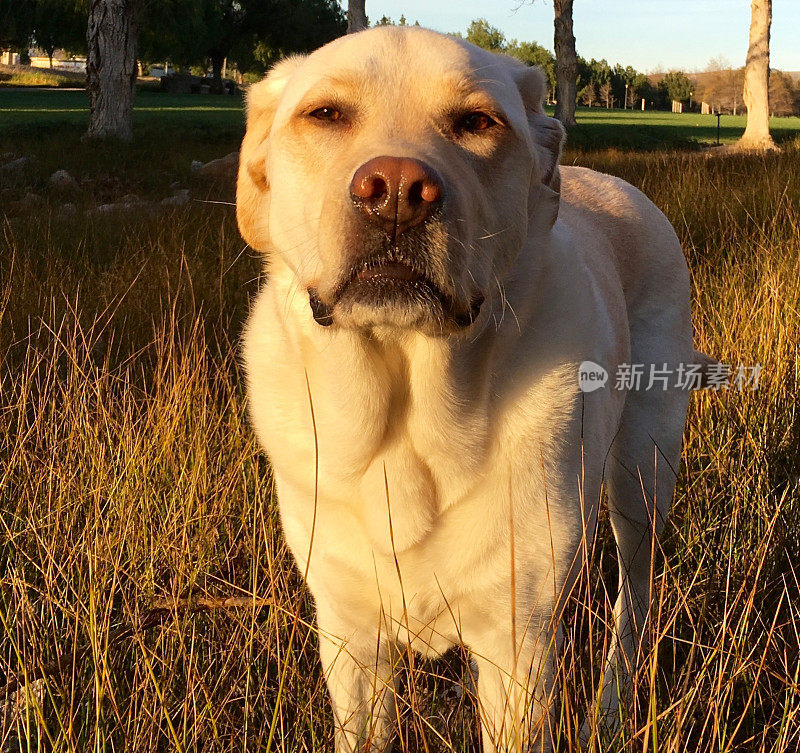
[{"x": 435, "y": 282}]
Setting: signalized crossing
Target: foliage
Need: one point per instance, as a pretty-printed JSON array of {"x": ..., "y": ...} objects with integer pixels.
[
  {"x": 387, "y": 21},
  {"x": 251, "y": 33},
  {"x": 482, "y": 34},
  {"x": 721, "y": 87},
  {"x": 48, "y": 24},
  {"x": 60, "y": 24},
  {"x": 677, "y": 85},
  {"x": 609, "y": 83},
  {"x": 532, "y": 53},
  {"x": 17, "y": 19},
  {"x": 784, "y": 94}
]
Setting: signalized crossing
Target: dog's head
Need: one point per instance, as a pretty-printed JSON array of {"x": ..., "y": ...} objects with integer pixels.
[{"x": 396, "y": 173}]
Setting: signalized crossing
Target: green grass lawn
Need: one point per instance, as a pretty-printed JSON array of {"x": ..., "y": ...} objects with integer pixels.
[
  {"x": 21, "y": 110},
  {"x": 654, "y": 129}
]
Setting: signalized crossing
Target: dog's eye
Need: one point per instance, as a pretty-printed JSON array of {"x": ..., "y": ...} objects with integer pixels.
[
  {"x": 327, "y": 114},
  {"x": 475, "y": 122}
]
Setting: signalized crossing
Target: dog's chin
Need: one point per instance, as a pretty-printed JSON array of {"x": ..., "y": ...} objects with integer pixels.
[
  {"x": 394, "y": 298},
  {"x": 401, "y": 304}
]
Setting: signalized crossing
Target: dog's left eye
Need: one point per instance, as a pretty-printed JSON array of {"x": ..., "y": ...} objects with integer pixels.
[
  {"x": 327, "y": 114},
  {"x": 475, "y": 122}
]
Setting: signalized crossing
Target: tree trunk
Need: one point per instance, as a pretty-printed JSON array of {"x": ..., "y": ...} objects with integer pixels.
[
  {"x": 756, "y": 79},
  {"x": 566, "y": 62},
  {"x": 217, "y": 61},
  {"x": 112, "y": 37},
  {"x": 356, "y": 16}
]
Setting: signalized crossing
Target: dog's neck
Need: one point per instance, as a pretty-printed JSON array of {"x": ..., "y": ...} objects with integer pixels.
[
  {"x": 372, "y": 392},
  {"x": 443, "y": 370}
]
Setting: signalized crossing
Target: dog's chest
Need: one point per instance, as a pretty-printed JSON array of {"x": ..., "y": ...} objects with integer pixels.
[
  {"x": 399, "y": 487},
  {"x": 377, "y": 441},
  {"x": 398, "y": 467}
]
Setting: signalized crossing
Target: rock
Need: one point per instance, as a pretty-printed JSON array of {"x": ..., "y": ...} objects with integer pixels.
[
  {"x": 14, "y": 165},
  {"x": 67, "y": 210},
  {"x": 129, "y": 203},
  {"x": 224, "y": 168},
  {"x": 61, "y": 180},
  {"x": 180, "y": 83},
  {"x": 196, "y": 166},
  {"x": 181, "y": 198}
]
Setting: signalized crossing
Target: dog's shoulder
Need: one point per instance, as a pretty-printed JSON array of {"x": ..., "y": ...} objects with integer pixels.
[
  {"x": 614, "y": 205},
  {"x": 617, "y": 224}
]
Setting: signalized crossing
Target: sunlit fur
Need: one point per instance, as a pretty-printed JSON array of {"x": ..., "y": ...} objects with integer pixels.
[{"x": 442, "y": 486}]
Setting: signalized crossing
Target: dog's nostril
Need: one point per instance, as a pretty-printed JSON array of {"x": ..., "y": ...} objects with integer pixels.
[
  {"x": 379, "y": 188},
  {"x": 424, "y": 191},
  {"x": 370, "y": 187}
]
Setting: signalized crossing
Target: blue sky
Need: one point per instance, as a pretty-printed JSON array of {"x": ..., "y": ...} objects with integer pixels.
[{"x": 647, "y": 34}]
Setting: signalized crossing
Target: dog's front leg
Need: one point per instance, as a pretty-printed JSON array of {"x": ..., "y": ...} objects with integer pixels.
[
  {"x": 514, "y": 693},
  {"x": 359, "y": 673}
]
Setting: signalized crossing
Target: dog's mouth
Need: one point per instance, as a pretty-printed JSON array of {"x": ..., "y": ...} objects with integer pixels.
[
  {"x": 394, "y": 281},
  {"x": 396, "y": 271},
  {"x": 385, "y": 281}
]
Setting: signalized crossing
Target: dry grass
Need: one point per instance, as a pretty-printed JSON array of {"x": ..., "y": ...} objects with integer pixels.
[
  {"x": 128, "y": 474},
  {"x": 25, "y": 75}
]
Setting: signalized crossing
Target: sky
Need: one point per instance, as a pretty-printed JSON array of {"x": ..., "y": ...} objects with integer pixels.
[{"x": 650, "y": 35}]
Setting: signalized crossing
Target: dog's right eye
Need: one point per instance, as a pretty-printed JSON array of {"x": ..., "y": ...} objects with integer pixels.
[
  {"x": 326, "y": 114},
  {"x": 474, "y": 122}
]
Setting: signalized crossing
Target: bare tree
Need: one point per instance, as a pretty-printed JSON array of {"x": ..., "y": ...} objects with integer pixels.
[
  {"x": 111, "y": 69},
  {"x": 566, "y": 62},
  {"x": 756, "y": 79},
  {"x": 781, "y": 93},
  {"x": 605, "y": 94},
  {"x": 721, "y": 86},
  {"x": 356, "y": 16}
]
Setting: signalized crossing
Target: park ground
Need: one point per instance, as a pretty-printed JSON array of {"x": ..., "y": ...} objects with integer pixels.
[{"x": 134, "y": 500}]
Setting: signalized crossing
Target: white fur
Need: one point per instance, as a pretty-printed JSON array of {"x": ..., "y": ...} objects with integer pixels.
[{"x": 403, "y": 459}]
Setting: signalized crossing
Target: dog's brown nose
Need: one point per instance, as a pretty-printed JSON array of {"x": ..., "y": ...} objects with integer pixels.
[{"x": 396, "y": 192}]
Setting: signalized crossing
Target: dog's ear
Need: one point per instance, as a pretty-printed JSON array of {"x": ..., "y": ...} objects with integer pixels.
[
  {"x": 548, "y": 137},
  {"x": 252, "y": 186}
]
